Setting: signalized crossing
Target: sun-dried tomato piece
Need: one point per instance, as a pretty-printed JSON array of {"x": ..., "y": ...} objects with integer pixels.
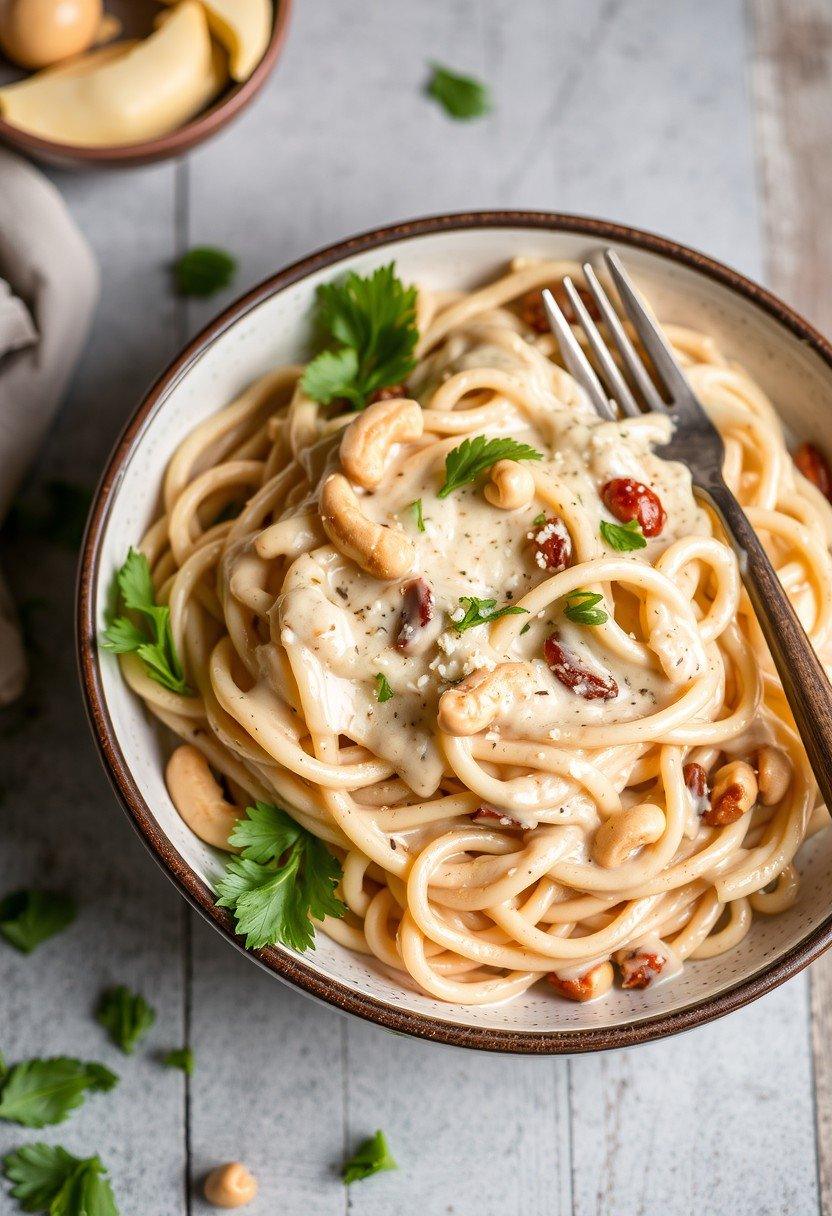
[
  {"x": 417, "y": 614},
  {"x": 533, "y": 314},
  {"x": 727, "y": 808},
  {"x": 389, "y": 393},
  {"x": 570, "y": 671},
  {"x": 640, "y": 968},
  {"x": 696, "y": 779},
  {"x": 815, "y": 467},
  {"x": 593, "y": 983},
  {"x": 629, "y": 499},
  {"x": 488, "y": 815},
  {"x": 552, "y": 545}
]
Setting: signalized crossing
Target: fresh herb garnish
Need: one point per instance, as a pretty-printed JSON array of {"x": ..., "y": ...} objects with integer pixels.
[
  {"x": 40, "y": 1092},
  {"x": 416, "y": 508},
  {"x": 180, "y": 1057},
  {"x": 477, "y": 455},
  {"x": 284, "y": 876},
  {"x": 623, "y": 537},
  {"x": 28, "y": 918},
  {"x": 153, "y": 643},
  {"x": 383, "y": 690},
  {"x": 539, "y": 520},
  {"x": 60, "y": 518},
  {"x": 203, "y": 271},
  {"x": 371, "y": 1157},
  {"x": 483, "y": 612},
  {"x": 581, "y": 607},
  {"x": 48, "y": 1179},
  {"x": 461, "y": 97},
  {"x": 525, "y": 628},
  {"x": 126, "y": 1016},
  {"x": 371, "y": 324}
]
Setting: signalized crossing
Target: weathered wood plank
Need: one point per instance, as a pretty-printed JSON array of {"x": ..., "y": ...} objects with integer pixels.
[
  {"x": 717, "y": 1121},
  {"x": 471, "y": 1134},
  {"x": 60, "y": 825},
  {"x": 793, "y": 88},
  {"x": 268, "y": 1084}
]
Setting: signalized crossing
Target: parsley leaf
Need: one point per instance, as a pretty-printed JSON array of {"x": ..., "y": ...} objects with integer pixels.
[
  {"x": 39, "y": 1092},
  {"x": 49, "y": 1179},
  {"x": 475, "y": 456},
  {"x": 483, "y": 612},
  {"x": 581, "y": 608},
  {"x": 203, "y": 271},
  {"x": 284, "y": 877},
  {"x": 371, "y": 324},
  {"x": 60, "y": 518},
  {"x": 28, "y": 918},
  {"x": 371, "y": 1157},
  {"x": 623, "y": 537},
  {"x": 461, "y": 97},
  {"x": 265, "y": 834},
  {"x": 153, "y": 643},
  {"x": 383, "y": 690},
  {"x": 180, "y": 1057},
  {"x": 539, "y": 520},
  {"x": 126, "y": 1016},
  {"x": 416, "y": 508}
]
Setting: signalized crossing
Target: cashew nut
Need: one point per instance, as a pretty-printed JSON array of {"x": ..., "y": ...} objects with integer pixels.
[
  {"x": 734, "y": 792},
  {"x": 230, "y": 1186},
  {"x": 367, "y": 442},
  {"x": 774, "y": 772},
  {"x": 510, "y": 485},
  {"x": 475, "y": 702},
  {"x": 381, "y": 551},
  {"x": 587, "y": 987},
  {"x": 198, "y": 798},
  {"x": 622, "y": 834}
]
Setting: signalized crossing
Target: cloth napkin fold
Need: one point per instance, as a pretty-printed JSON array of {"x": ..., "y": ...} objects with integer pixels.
[{"x": 48, "y": 293}]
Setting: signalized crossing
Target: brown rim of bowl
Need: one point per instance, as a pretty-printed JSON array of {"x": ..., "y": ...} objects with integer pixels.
[
  {"x": 227, "y": 106},
  {"x": 296, "y": 971}
]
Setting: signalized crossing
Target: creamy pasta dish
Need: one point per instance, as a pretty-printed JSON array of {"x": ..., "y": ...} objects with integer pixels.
[{"x": 464, "y": 675}]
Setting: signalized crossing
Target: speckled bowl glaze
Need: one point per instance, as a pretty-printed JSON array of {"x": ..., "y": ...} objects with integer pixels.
[{"x": 269, "y": 326}]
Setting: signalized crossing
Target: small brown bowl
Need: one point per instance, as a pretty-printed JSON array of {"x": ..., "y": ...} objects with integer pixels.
[{"x": 228, "y": 105}]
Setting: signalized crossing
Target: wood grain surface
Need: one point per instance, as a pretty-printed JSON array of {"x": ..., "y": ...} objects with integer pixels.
[{"x": 641, "y": 111}]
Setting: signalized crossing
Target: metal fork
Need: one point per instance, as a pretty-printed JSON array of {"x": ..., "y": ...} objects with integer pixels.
[{"x": 697, "y": 444}]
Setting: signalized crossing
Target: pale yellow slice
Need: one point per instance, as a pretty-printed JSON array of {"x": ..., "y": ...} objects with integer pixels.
[
  {"x": 113, "y": 97},
  {"x": 243, "y": 27}
]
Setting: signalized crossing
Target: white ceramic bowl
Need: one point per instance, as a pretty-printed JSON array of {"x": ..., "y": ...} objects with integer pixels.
[{"x": 270, "y": 326}]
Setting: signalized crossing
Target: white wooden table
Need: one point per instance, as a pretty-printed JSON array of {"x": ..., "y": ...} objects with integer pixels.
[{"x": 649, "y": 112}]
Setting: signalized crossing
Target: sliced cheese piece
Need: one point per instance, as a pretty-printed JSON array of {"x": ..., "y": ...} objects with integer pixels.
[
  {"x": 78, "y": 65},
  {"x": 243, "y": 27},
  {"x": 124, "y": 98}
]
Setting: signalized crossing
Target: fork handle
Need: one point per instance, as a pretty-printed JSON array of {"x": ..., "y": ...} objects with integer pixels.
[{"x": 804, "y": 680}]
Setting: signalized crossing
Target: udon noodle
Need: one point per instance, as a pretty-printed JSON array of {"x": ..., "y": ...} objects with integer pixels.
[{"x": 544, "y": 794}]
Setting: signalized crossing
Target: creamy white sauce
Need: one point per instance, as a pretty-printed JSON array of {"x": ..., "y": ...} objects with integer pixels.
[{"x": 340, "y": 624}]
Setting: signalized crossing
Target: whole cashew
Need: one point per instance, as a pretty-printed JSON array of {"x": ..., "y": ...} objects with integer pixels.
[
  {"x": 774, "y": 772},
  {"x": 510, "y": 485},
  {"x": 230, "y": 1186},
  {"x": 366, "y": 443},
  {"x": 587, "y": 987},
  {"x": 198, "y": 798},
  {"x": 381, "y": 551},
  {"x": 622, "y": 834},
  {"x": 474, "y": 703},
  {"x": 733, "y": 794}
]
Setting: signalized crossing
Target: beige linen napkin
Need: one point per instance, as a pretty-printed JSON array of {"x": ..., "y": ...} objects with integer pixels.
[{"x": 48, "y": 292}]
